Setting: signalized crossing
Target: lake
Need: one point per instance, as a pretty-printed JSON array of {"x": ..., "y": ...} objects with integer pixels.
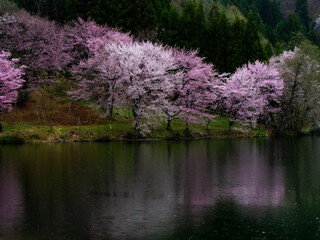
[{"x": 266, "y": 188}]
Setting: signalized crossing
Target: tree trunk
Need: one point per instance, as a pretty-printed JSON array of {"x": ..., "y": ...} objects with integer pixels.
[
  {"x": 0, "y": 127},
  {"x": 111, "y": 107},
  {"x": 136, "y": 123},
  {"x": 208, "y": 124},
  {"x": 69, "y": 110},
  {"x": 39, "y": 114},
  {"x": 230, "y": 125},
  {"x": 110, "y": 115},
  {"x": 169, "y": 124},
  {"x": 187, "y": 127},
  {"x": 48, "y": 116},
  {"x": 136, "y": 119}
]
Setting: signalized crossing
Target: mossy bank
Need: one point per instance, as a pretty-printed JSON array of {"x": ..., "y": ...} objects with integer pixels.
[{"x": 121, "y": 131}]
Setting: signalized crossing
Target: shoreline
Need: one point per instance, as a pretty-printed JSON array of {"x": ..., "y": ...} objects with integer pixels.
[{"x": 28, "y": 134}]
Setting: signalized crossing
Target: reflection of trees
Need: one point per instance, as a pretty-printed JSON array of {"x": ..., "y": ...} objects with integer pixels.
[
  {"x": 170, "y": 178},
  {"x": 139, "y": 190},
  {"x": 229, "y": 220},
  {"x": 139, "y": 199},
  {"x": 10, "y": 198},
  {"x": 242, "y": 172},
  {"x": 301, "y": 156},
  {"x": 250, "y": 178},
  {"x": 51, "y": 189}
]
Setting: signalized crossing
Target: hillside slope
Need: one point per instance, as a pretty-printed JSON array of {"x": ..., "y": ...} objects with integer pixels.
[
  {"x": 230, "y": 10},
  {"x": 288, "y": 6}
]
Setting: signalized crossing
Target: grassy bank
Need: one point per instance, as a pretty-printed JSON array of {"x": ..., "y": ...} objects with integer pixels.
[{"x": 118, "y": 131}]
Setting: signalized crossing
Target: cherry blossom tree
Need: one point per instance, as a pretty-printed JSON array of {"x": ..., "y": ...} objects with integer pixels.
[
  {"x": 86, "y": 37},
  {"x": 194, "y": 92},
  {"x": 80, "y": 35},
  {"x": 40, "y": 43},
  {"x": 100, "y": 80},
  {"x": 252, "y": 93},
  {"x": 125, "y": 73},
  {"x": 99, "y": 73},
  {"x": 216, "y": 104},
  {"x": 10, "y": 82},
  {"x": 42, "y": 47},
  {"x": 149, "y": 71}
]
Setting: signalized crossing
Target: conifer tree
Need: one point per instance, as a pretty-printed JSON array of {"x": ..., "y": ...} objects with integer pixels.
[
  {"x": 238, "y": 43},
  {"x": 170, "y": 27},
  {"x": 302, "y": 11},
  {"x": 223, "y": 44},
  {"x": 188, "y": 25},
  {"x": 254, "y": 49},
  {"x": 76, "y": 8}
]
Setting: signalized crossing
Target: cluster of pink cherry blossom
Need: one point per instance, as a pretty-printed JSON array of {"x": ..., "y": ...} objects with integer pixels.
[
  {"x": 10, "y": 81},
  {"x": 110, "y": 69}
]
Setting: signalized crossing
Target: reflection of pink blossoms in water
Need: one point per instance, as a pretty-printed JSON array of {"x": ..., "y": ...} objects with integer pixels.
[
  {"x": 10, "y": 200},
  {"x": 249, "y": 181}
]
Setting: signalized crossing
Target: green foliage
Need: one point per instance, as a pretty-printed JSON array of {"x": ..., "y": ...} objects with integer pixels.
[
  {"x": 217, "y": 28},
  {"x": 170, "y": 26},
  {"x": 53, "y": 9},
  {"x": 134, "y": 16},
  {"x": 238, "y": 51},
  {"x": 11, "y": 139},
  {"x": 300, "y": 100},
  {"x": 227, "y": 45},
  {"x": 302, "y": 11},
  {"x": 219, "y": 35},
  {"x": 121, "y": 130},
  {"x": 290, "y": 27},
  {"x": 269, "y": 10},
  {"x": 193, "y": 25},
  {"x": 254, "y": 49},
  {"x": 6, "y": 6}
]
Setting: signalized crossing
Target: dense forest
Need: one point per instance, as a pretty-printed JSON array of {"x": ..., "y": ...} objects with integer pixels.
[
  {"x": 222, "y": 39},
  {"x": 161, "y": 61}
]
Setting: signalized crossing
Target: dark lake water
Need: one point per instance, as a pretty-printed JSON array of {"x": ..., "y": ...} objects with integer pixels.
[{"x": 208, "y": 189}]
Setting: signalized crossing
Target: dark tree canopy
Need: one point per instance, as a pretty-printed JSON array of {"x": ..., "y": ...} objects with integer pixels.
[{"x": 224, "y": 42}]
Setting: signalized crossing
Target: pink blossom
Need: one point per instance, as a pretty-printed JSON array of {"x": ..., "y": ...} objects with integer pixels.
[
  {"x": 253, "y": 92},
  {"x": 10, "y": 81}
]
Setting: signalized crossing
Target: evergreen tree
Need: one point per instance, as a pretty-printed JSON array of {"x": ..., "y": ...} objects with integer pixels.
[
  {"x": 290, "y": 27},
  {"x": 76, "y": 8},
  {"x": 142, "y": 16},
  {"x": 201, "y": 24},
  {"x": 55, "y": 10},
  {"x": 302, "y": 11},
  {"x": 212, "y": 37},
  {"x": 243, "y": 5},
  {"x": 254, "y": 49},
  {"x": 188, "y": 36},
  {"x": 238, "y": 44},
  {"x": 52, "y": 9},
  {"x": 222, "y": 59},
  {"x": 269, "y": 11},
  {"x": 170, "y": 27},
  {"x": 161, "y": 6}
]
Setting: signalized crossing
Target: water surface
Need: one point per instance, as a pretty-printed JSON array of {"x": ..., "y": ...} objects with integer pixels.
[{"x": 210, "y": 189}]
